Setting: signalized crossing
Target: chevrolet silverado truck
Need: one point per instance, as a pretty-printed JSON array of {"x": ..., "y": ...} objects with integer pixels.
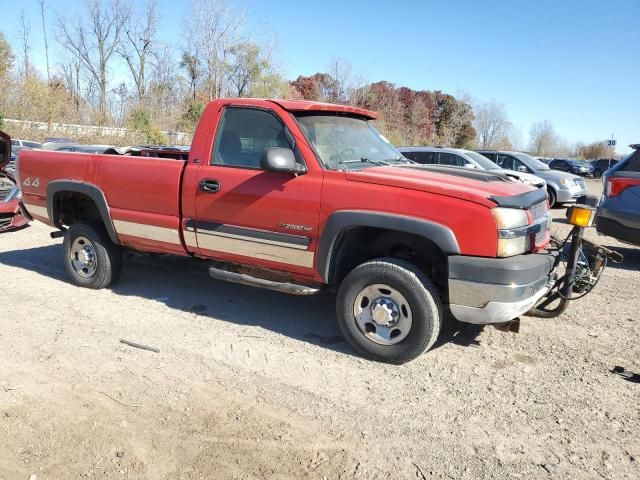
[{"x": 302, "y": 197}]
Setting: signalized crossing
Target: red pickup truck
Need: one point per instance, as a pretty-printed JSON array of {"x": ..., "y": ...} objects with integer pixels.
[{"x": 301, "y": 197}]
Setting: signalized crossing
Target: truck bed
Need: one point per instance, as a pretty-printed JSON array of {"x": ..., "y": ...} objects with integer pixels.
[{"x": 143, "y": 193}]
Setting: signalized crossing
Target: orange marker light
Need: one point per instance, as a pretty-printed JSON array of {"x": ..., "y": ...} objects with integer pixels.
[{"x": 581, "y": 215}]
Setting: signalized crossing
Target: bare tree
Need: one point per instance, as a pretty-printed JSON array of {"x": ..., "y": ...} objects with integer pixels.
[
  {"x": 94, "y": 40},
  {"x": 213, "y": 30},
  {"x": 46, "y": 39},
  {"x": 25, "y": 31},
  {"x": 542, "y": 139},
  {"x": 138, "y": 45},
  {"x": 491, "y": 123}
]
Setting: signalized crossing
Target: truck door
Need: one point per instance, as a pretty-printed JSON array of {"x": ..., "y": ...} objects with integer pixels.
[{"x": 249, "y": 215}]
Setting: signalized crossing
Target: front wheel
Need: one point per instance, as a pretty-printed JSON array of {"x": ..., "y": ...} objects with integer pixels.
[
  {"x": 551, "y": 195},
  {"x": 389, "y": 310},
  {"x": 90, "y": 257}
]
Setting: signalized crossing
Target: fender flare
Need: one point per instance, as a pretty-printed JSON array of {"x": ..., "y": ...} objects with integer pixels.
[
  {"x": 340, "y": 222},
  {"x": 90, "y": 191}
]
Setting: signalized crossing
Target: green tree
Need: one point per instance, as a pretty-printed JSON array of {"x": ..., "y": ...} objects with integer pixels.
[{"x": 140, "y": 121}]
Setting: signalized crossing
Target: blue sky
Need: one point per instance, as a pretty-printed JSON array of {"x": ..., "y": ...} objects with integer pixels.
[{"x": 574, "y": 63}]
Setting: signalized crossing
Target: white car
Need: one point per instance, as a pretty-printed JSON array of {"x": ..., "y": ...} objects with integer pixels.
[{"x": 459, "y": 157}]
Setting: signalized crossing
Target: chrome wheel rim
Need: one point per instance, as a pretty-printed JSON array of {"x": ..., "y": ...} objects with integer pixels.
[
  {"x": 382, "y": 314},
  {"x": 83, "y": 258}
]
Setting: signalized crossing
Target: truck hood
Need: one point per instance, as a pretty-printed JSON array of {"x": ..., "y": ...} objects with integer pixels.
[{"x": 473, "y": 185}]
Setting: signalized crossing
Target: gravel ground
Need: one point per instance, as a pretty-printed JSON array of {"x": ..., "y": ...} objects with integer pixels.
[{"x": 256, "y": 384}]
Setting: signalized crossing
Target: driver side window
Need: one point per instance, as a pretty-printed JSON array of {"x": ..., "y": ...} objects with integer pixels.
[{"x": 244, "y": 134}]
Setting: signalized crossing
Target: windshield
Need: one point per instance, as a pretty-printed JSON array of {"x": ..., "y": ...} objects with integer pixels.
[
  {"x": 341, "y": 141},
  {"x": 483, "y": 161},
  {"x": 531, "y": 162}
]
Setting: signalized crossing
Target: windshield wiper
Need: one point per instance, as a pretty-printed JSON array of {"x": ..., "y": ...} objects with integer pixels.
[{"x": 364, "y": 160}]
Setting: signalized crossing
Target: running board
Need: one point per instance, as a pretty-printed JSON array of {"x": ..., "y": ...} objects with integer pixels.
[{"x": 245, "y": 279}]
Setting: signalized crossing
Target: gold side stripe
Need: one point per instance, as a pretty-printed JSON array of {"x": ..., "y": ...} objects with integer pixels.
[
  {"x": 190, "y": 239},
  {"x": 149, "y": 232},
  {"x": 36, "y": 210},
  {"x": 274, "y": 253}
]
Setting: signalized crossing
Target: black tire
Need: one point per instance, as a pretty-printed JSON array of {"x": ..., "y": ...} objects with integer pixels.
[
  {"x": 108, "y": 257},
  {"x": 422, "y": 298},
  {"x": 551, "y": 195},
  {"x": 597, "y": 174}
]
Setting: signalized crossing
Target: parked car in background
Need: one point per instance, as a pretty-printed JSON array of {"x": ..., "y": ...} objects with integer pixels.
[
  {"x": 16, "y": 145},
  {"x": 58, "y": 140},
  {"x": 544, "y": 159},
  {"x": 571, "y": 165},
  {"x": 458, "y": 157},
  {"x": 76, "y": 147},
  {"x": 602, "y": 165},
  {"x": 52, "y": 143},
  {"x": 562, "y": 187},
  {"x": 619, "y": 211}
]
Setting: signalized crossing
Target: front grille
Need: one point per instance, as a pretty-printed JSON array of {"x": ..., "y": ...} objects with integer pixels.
[{"x": 538, "y": 211}]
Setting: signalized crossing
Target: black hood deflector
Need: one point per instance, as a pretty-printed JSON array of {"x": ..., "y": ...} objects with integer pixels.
[{"x": 524, "y": 200}]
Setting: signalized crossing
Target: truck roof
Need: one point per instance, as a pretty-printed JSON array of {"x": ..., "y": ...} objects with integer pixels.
[{"x": 304, "y": 106}]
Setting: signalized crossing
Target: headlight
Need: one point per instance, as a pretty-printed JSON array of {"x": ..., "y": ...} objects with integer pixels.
[
  {"x": 508, "y": 247},
  {"x": 512, "y": 237},
  {"x": 510, "y": 218},
  {"x": 566, "y": 182}
]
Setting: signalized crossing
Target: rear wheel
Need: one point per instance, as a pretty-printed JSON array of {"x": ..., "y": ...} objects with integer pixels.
[
  {"x": 90, "y": 257},
  {"x": 597, "y": 173},
  {"x": 389, "y": 310}
]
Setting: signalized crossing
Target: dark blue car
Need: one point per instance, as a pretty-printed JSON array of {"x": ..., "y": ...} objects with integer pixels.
[{"x": 619, "y": 210}]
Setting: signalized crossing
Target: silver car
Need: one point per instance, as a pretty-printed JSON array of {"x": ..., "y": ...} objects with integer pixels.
[
  {"x": 458, "y": 157},
  {"x": 562, "y": 187}
]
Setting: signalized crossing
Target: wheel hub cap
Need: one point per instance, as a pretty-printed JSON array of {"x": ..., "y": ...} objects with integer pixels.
[
  {"x": 382, "y": 314},
  {"x": 83, "y": 257}
]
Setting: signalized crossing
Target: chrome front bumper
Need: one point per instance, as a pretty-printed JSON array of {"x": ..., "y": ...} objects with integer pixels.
[{"x": 511, "y": 290}]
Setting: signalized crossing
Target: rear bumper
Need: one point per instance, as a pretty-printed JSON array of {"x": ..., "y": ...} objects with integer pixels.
[
  {"x": 619, "y": 217},
  {"x": 496, "y": 290},
  {"x": 617, "y": 230}
]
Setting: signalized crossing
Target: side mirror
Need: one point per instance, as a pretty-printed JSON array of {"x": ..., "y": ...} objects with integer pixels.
[
  {"x": 280, "y": 160},
  {"x": 469, "y": 165},
  {"x": 522, "y": 169}
]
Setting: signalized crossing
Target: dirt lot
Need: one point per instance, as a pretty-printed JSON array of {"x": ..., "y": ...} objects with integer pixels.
[{"x": 256, "y": 384}]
